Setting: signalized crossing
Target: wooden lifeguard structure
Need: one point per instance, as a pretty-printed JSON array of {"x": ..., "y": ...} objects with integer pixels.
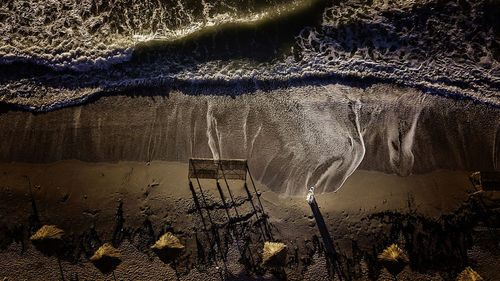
[
  {"x": 205, "y": 168},
  {"x": 486, "y": 180},
  {"x": 225, "y": 170},
  {"x": 487, "y": 186}
]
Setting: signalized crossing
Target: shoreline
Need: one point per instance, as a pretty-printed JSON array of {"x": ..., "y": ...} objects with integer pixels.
[
  {"x": 292, "y": 139},
  {"x": 250, "y": 140}
]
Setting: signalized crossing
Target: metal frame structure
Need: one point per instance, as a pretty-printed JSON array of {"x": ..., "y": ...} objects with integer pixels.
[
  {"x": 227, "y": 169},
  {"x": 224, "y": 170}
]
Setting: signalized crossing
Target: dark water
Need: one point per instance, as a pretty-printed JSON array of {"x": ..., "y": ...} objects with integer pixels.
[{"x": 55, "y": 53}]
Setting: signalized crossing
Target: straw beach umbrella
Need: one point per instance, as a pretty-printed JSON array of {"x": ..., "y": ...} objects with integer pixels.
[
  {"x": 49, "y": 240},
  {"x": 106, "y": 258},
  {"x": 168, "y": 247},
  {"x": 468, "y": 274},
  {"x": 393, "y": 259},
  {"x": 274, "y": 254}
]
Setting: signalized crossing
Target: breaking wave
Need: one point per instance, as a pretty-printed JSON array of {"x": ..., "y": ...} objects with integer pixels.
[{"x": 57, "y": 53}]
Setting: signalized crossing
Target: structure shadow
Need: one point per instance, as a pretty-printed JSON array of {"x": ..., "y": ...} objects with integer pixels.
[{"x": 331, "y": 254}]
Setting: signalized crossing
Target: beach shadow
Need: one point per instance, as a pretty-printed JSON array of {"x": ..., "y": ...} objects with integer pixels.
[{"x": 331, "y": 254}]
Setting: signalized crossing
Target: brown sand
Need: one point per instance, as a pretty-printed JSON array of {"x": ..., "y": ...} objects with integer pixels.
[
  {"x": 133, "y": 203},
  {"x": 293, "y": 138}
]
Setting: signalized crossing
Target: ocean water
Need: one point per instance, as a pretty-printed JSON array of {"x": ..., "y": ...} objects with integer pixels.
[
  {"x": 58, "y": 53},
  {"x": 307, "y": 91}
]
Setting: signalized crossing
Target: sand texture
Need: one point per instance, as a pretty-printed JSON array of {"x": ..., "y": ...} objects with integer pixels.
[
  {"x": 133, "y": 204},
  {"x": 116, "y": 171},
  {"x": 293, "y": 138}
]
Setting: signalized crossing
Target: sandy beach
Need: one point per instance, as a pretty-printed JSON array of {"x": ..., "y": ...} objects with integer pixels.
[
  {"x": 116, "y": 170},
  {"x": 132, "y": 203},
  {"x": 361, "y": 140}
]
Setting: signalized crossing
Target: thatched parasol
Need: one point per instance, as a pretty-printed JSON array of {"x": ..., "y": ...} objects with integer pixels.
[
  {"x": 468, "y": 274},
  {"x": 394, "y": 259},
  {"x": 106, "y": 258},
  {"x": 168, "y": 247},
  {"x": 48, "y": 239},
  {"x": 274, "y": 254}
]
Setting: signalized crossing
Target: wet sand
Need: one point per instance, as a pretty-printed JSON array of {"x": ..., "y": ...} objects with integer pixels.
[
  {"x": 293, "y": 138},
  {"x": 115, "y": 170}
]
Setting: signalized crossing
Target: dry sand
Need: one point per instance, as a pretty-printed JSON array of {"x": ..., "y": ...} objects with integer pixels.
[
  {"x": 115, "y": 170},
  {"x": 132, "y": 203}
]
